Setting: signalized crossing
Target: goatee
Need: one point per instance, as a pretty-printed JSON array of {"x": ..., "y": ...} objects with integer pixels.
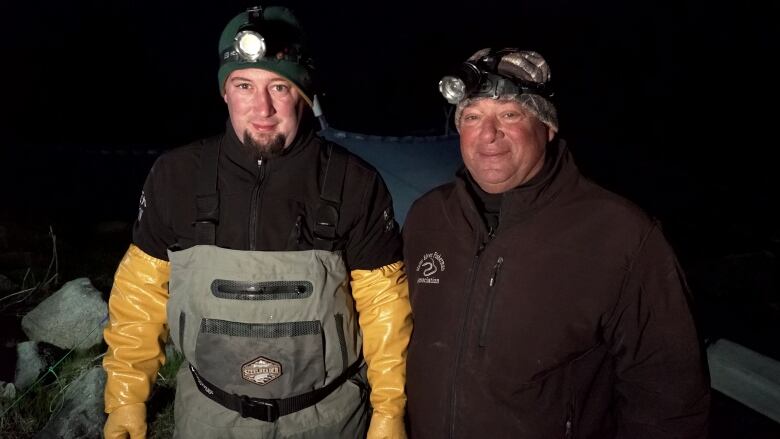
[{"x": 272, "y": 148}]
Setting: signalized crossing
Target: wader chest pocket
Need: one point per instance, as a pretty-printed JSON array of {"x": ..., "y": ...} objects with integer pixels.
[
  {"x": 253, "y": 290},
  {"x": 262, "y": 360}
]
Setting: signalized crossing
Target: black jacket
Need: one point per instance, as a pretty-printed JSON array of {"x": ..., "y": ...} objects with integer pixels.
[
  {"x": 571, "y": 320},
  {"x": 269, "y": 207}
]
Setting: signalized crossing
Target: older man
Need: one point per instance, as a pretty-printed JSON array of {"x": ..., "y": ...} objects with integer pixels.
[
  {"x": 244, "y": 250},
  {"x": 544, "y": 305}
]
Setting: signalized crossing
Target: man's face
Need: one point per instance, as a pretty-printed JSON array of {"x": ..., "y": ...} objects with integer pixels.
[
  {"x": 502, "y": 143},
  {"x": 265, "y": 109}
]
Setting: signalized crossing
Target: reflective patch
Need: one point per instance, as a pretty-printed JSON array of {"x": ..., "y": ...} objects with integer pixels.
[
  {"x": 261, "y": 371},
  {"x": 389, "y": 219},
  {"x": 141, "y": 206}
]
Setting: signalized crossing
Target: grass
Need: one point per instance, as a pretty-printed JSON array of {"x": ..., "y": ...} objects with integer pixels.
[
  {"x": 28, "y": 412},
  {"x": 31, "y": 411},
  {"x": 160, "y": 406},
  {"x": 54, "y": 260}
]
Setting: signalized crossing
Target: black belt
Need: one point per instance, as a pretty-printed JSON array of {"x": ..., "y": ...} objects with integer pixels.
[{"x": 269, "y": 410}]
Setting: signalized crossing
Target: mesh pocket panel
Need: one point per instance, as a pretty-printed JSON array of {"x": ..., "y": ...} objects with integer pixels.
[{"x": 259, "y": 330}]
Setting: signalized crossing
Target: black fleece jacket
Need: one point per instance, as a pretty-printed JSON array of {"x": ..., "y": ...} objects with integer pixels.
[
  {"x": 269, "y": 206},
  {"x": 571, "y": 320}
]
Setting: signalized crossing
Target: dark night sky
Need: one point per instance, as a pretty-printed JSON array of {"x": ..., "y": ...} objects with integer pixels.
[{"x": 659, "y": 102}]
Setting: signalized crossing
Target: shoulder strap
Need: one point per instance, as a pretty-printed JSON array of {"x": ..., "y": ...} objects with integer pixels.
[
  {"x": 330, "y": 199},
  {"x": 207, "y": 197}
]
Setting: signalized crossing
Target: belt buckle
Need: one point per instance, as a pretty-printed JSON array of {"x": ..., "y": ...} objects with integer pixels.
[{"x": 255, "y": 408}]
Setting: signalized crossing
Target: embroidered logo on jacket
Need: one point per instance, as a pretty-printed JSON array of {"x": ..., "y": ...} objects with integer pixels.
[
  {"x": 261, "y": 371},
  {"x": 430, "y": 265}
]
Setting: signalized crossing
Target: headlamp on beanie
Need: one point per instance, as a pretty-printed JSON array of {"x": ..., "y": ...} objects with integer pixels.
[
  {"x": 250, "y": 43},
  {"x": 269, "y": 39},
  {"x": 480, "y": 78},
  {"x": 507, "y": 74}
]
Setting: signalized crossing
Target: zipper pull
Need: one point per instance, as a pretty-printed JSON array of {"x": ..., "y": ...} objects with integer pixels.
[
  {"x": 491, "y": 295},
  {"x": 496, "y": 268},
  {"x": 261, "y": 169}
]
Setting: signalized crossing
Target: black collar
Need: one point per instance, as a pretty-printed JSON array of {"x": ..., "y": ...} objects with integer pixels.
[{"x": 235, "y": 151}]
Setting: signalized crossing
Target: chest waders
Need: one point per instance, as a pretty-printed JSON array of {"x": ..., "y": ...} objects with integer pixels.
[{"x": 271, "y": 339}]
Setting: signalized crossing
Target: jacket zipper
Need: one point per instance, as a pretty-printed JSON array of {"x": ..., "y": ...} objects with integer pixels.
[
  {"x": 461, "y": 338},
  {"x": 490, "y": 299},
  {"x": 255, "y": 205},
  {"x": 569, "y": 419},
  {"x": 296, "y": 234},
  {"x": 569, "y": 430}
]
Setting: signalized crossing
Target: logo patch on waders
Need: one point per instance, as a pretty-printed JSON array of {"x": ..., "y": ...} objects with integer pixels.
[{"x": 261, "y": 371}]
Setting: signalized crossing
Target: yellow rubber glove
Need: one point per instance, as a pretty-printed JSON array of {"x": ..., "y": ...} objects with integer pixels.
[
  {"x": 383, "y": 427},
  {"x": 137, "y": 330},
  {"x": 126, "y": 421},
  {"x": 382, "y": 300}
]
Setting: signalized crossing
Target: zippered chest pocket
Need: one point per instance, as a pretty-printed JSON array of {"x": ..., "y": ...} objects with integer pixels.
[
  {"x": 491, "y": 295},
  {"x": 274, "y": 290}
]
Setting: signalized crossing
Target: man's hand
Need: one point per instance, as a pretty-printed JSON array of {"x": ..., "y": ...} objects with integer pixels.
[
  {"x": 384, "y": 427},
  {"x": 127, "y": 421}
]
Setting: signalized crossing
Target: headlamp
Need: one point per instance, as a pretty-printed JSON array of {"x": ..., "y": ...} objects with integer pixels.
[
  {"x": 260, "y": 38},
  {"x": 249, "y": 45},
  {"x": 461, "y": 83},
  {"x": 481, "y": 79}
]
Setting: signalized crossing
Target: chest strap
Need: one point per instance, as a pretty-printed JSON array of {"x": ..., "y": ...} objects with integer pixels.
[
  {"x": 269, "y": 410},
  {"x": 207, "y": 196},
  {"x": 330, "y": 200}
]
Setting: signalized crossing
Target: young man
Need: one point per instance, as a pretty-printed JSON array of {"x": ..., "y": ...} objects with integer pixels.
[{"x": 272, "y": 259}]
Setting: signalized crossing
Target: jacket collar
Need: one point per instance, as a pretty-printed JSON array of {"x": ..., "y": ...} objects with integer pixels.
[
  {"x": 236, "y": 152},
  {"x": 558, "y": 172}
]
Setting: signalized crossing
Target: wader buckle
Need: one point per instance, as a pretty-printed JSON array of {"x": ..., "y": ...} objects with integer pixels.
[{"x": 255, "y": 408}]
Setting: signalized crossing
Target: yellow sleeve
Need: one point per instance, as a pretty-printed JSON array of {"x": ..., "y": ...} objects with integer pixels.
[
  {"x": 137, "y": 328},
  {"x": 382, "y": 300}
]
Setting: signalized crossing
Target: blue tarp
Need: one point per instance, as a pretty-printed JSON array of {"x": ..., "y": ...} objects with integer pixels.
[{"x": 410, "y": 165}]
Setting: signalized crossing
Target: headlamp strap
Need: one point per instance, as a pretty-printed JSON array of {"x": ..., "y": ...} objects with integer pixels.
[
  {"x": 255, "y": 14},
  {"x": 231, "y": 55}
]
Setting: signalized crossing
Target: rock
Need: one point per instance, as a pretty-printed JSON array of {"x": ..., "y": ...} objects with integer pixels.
[
  {"x": 81, "y": 415},
  {"x": 29, "y": 364},
  {"x": 6, "y": 285},
  {"x": 33, "y": 358},
  {"x": 7, "y": 394},
  {"x": 72, "y": 317}
]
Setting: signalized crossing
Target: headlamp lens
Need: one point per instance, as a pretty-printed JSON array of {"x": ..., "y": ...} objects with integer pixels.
[
  {"x": 453, "y": 89},
  {"x": 250, "y": 45}
]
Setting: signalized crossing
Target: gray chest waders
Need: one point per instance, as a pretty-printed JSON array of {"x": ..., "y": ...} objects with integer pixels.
[{"x": 271, "y": 339}]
